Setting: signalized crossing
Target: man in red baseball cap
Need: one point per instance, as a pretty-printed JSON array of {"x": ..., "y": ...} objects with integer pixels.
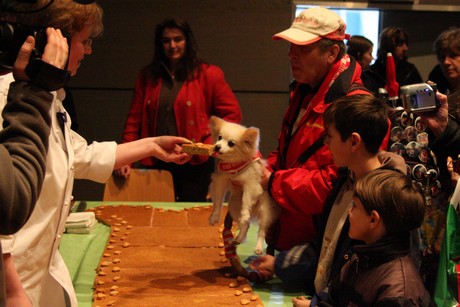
[{"x": 300, "y": 173}]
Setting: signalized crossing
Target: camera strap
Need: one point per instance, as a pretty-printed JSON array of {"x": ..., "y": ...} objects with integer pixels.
[
  {"x": 311, "y": 150},
  {"x": 340, "y": 88}
]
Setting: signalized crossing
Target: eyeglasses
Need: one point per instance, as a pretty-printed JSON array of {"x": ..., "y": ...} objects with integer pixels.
[{"x": 87, "y": 42}]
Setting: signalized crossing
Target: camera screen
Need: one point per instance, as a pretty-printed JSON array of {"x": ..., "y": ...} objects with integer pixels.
[{"x": 423, "y": 100}]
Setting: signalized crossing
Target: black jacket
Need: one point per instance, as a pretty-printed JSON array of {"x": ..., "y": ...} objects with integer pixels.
[
  {"x": 380, "y": 274},
  {"x": 375, "y": 77}
]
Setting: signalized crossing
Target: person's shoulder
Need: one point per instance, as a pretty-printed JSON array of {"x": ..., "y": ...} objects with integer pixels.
[
  {"x": 406, "y": 67},
  {"x": 393, "y": 161},
  {"x": 5, "y": 81},
  {"x": 376, "y": 69},
  {"x": 407, "y": 64},
  {"x": 144, "y": 77},
  {"x": 371, "y": 72},
  {"x": 403, "y": 273},
  {"x": 210, "y": 69},
  {"x": 211, "y": 72},
  {"x": 373, "y": 79}
]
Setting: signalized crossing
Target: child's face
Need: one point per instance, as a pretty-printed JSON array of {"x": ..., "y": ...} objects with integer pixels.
[
  {"x": 359, "y": 221},
  {"x": 337, "y": 148}
]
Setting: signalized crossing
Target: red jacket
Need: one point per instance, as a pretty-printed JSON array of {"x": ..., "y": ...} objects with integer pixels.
[
  {"x": 301, "y": 189},
  {"x": 197, "y": 100}
]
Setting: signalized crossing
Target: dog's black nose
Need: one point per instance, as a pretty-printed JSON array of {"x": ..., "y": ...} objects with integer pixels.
[{"x": 217, "y": 148}]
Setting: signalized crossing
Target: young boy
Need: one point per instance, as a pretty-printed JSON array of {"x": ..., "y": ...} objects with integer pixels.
[
  {"x": 387, "y": 205},
  {"x": 355, "y": 128}
]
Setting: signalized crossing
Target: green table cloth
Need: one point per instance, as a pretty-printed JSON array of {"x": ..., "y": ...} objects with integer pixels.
[{"x": 82, "y": 252}]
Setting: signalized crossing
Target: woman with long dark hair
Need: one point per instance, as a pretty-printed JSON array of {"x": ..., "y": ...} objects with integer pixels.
[
  {"x": 394, "y": 40},
  {"x": 175, "y": 95}
]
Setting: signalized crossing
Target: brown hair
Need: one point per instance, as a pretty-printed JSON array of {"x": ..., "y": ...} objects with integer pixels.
[
  {"x": 390, "y": 38},
  {"x": 357, "y": 45},
  {"x": 447, "y": 44},
  {"x": 364, "y": 114},
  {"x": 398, "y": 200},
  {"x": 65, "y": 15}
]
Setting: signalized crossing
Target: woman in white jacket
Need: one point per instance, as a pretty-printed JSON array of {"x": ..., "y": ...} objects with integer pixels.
[{"x": 33, "y": 251}]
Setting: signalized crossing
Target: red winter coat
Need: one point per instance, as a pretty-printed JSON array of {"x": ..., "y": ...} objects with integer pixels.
[
  {"x": 301, "y": 190},
  {"x": 197, "y": 100}
]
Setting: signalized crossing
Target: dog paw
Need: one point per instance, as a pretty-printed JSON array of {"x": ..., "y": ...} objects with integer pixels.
[
  {"x": 213, "y": 219},
  {"x": 258, "y": 251}
]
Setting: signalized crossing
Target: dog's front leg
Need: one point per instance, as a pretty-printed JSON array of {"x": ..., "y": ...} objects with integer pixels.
[
  {"x": 218, "y": 189},
  {"x": 259, "y": 249},
  {"x": 243, "y": 223}
]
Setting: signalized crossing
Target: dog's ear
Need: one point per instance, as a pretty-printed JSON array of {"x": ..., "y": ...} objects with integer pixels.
[
  {"x": 251, "y": 136},
  {"x": 215, "y": 121},
  {"x": 212, "y": 121}
]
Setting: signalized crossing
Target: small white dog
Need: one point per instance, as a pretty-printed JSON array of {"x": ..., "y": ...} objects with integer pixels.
[{"x": 239, "y": 169}]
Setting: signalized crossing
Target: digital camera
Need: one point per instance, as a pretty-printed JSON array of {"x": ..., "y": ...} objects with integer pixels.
[
  {"x": 12, "y": 36},
  {"x": 420, "y": 97}
]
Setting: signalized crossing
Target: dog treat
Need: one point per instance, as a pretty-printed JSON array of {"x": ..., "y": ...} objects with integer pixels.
[
  {"x": 198, "y": 149},
  {"x": 247, "y": 289}
]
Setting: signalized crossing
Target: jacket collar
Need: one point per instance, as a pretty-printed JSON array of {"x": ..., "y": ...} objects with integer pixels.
[
  {"x": 382, "y": 251},
  {"x": 336, "y": 84}
]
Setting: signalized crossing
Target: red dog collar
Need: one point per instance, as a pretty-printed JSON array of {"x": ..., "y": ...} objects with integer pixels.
[{"x": 234, "y": 168}]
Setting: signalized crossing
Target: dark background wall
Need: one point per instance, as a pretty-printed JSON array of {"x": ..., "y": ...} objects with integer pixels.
[{"x": 235, "y": 35}]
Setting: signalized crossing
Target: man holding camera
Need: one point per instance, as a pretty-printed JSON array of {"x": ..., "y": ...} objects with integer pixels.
[
  {"x": 34, "y": 249},
  {"x": 445, "y": 142},
  {"x": 446, "y": 135}
]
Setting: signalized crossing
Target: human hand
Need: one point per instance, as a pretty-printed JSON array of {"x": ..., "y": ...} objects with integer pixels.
[
  {"x": 123, "y": 171},
  {"x": 55, "y": 53},
  {"x": 15, "y": 294},
  {"x": 265, "y": 177},
  {"x": 437, "y": 120},
  {"x": 263, "y": 263},
  {"x": 56, "y": 50},
  {"x": 454, "y": 176},
  {"x": 168, "y": 149},
  {"x": 301, "y": 301}
]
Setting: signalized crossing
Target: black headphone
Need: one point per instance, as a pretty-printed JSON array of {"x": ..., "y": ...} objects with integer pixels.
[
  {"x": 35, "y": 1},
  {"x": 5, "y": 5}
]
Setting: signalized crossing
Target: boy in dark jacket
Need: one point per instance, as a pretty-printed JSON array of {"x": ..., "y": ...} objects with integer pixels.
[{"x": 387, "y": 205}]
